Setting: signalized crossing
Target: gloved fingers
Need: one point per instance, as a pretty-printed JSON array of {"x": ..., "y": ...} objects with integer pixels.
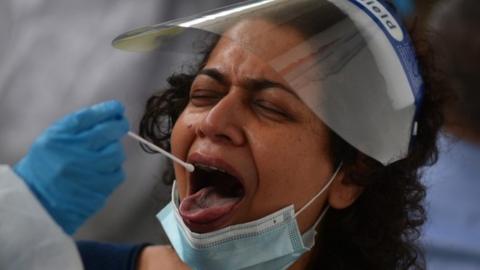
[
  {"x": 84, "y": 191},
  {"x": 90, "y": 183},
  {"x": 65, "y": 154},
  {"x": 79, "y": 205},
  {"x": 86, "y": 118},
  {"x": 71, "y": 211},
  {"x": 108, "y": 160},
  {"x": 108, "y": 182},
  {"x": 101, "y": 175},
  {"x": 103, "y": 134},
  {"x": 75, "y": 165},
  {"x": 94, "y": 139}
]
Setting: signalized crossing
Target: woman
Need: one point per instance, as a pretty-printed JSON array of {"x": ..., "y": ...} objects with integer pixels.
[{"x": 315, "y": 120}]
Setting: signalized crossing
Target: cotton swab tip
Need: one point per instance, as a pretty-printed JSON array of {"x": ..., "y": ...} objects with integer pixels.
[{"x": 189, "y": 167}]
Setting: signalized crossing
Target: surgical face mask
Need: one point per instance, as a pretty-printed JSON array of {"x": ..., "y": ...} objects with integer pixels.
[{"x": 272, "y": 242}]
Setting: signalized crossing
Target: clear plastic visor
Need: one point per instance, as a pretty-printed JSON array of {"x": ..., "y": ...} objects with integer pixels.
[{"x": 331, "y": 53}]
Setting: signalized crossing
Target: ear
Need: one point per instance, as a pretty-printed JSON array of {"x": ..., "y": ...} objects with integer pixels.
[{"x": 342, "y": 194}]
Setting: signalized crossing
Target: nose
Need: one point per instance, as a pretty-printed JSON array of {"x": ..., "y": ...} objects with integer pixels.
[{"x": 223, "y": 122}]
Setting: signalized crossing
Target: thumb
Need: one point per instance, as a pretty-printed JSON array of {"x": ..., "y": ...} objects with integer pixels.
[{"x": 87, "y": 118}]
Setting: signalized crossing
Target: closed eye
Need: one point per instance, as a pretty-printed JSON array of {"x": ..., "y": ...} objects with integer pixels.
[
  {"x": 205, "y": 97},
  {"x": 270, "y": 109}
]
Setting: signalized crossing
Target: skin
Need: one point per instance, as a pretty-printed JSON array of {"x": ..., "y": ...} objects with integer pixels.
[
  {"x": 280, "y": 147},
  {"x": 160, "y": 257},
  {"x": 277, "y": 144}
]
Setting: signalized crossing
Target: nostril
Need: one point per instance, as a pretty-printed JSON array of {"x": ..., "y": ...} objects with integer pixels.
[
  {"x": 200, "y": 133},
  {"x": 221, "y": 128},
  {"x": 214, "y": 133}
]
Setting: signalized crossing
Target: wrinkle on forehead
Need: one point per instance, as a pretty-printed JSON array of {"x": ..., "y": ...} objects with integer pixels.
[
  {"x": 253, "y": 48},
  {"x": 264, "y": 38},
  {"x": 230, "y": 58}
]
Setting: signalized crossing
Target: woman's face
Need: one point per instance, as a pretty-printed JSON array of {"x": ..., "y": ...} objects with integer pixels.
[{"x": 257, "y": 148}]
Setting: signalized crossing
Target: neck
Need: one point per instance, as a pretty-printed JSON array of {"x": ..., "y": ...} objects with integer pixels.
[{"x": 303, "y": 262}]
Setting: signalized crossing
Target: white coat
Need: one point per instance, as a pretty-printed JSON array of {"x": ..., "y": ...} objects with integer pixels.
[{"x": 29, "y": 238}]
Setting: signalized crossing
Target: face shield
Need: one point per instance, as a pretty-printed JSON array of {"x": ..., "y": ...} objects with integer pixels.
[{"x": 354, "y": 67}]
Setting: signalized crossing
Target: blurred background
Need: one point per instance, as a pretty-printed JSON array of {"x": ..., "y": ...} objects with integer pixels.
[
  {"x": 55, "y": 57},
  {"x": 451, "y": 236}
]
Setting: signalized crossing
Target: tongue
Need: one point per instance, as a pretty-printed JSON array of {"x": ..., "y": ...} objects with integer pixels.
[{"x": 206, "y": 205}]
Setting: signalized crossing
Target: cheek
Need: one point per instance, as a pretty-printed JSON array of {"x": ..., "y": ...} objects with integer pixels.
[
  {"x": 291, "y": 166},
  {"x": 183, "y": 134},
  {"x": 294, "y": 159}
]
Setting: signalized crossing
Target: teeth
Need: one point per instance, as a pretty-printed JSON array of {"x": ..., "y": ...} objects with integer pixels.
[{"x": 210, "y": 168}]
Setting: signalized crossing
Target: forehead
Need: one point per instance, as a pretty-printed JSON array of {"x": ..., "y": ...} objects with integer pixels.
[
  {"x": 251, "y": 46},
  {"x": 264, "y": 38}
]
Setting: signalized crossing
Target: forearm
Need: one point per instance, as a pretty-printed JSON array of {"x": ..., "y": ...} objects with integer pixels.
[{"x": 105, "y": 256}]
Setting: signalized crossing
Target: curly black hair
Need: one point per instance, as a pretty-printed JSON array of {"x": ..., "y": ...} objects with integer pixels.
[{"x": 380, "y": 230}]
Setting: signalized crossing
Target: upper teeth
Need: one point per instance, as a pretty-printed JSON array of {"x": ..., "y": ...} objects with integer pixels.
[{"x": 210, "y": 168}]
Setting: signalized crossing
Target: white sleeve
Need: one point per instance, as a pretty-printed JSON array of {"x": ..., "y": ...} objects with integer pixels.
[{"x": 29, "y": 238}]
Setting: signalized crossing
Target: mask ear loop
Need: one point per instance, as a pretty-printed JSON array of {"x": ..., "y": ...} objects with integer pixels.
[{"x": 329, "y": 183}]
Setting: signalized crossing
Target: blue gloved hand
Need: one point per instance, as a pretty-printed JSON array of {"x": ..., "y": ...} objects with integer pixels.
[{"x": 76, "y": 163}]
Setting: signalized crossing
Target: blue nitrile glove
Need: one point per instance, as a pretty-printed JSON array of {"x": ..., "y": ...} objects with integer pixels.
[{"x": 76, "y": 163}]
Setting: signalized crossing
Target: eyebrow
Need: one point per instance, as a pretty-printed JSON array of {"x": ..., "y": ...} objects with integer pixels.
[{"x": 250, "y": 83}]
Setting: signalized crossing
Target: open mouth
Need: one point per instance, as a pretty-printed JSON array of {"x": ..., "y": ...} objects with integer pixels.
[{"x": 214, "y": 193}]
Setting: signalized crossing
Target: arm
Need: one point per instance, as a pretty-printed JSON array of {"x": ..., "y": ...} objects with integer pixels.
[
  {"x": 160, "y": 258},
  {"x": 29, "y": 238},
  {"x": 103, "y": 256}
]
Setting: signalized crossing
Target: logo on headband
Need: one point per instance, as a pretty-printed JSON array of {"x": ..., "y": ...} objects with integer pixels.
[{"x": 384, "y": 16}]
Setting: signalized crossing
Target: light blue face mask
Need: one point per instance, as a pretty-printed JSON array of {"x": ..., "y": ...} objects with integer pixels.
[{"x": 272, "y": 242}]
